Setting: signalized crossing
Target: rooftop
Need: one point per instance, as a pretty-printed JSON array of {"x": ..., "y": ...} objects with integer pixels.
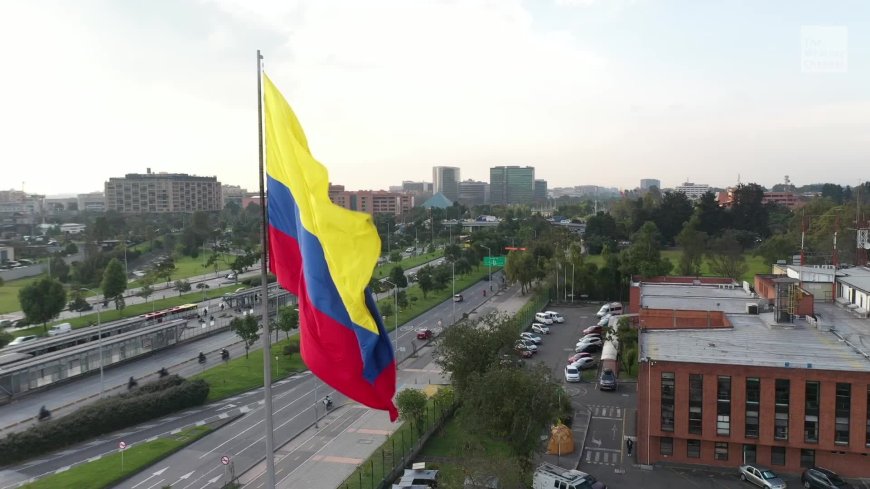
[
  {"x": 725, "y": 298},
  {"x": 857, "y": 277},
  {"x": 757, "y": 340}
]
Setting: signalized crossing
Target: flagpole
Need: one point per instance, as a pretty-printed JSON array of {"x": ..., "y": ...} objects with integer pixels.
[{"x": 264, "y": 294}]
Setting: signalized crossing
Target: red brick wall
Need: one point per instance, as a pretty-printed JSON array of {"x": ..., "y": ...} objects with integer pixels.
[
  {"x": 851, "y": 461},
  {"x": 676, "y": 319}
]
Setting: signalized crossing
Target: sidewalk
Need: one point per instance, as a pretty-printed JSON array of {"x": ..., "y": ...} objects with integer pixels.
[{"x": 337, "y": 457}]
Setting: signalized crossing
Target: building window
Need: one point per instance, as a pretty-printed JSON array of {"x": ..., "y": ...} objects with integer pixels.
[
  {"x": 749, "y": 454},
  {"x": 723, "y": 406},
  {"x": 666, "y": 447},
  {"x": 842, "y": 407},
  {"x": 867, "y": 439},
  {"x": 777, "y": 455},
  {"x": 693, "y": 448},
  {"x": 696, "y": 402},
  {"x": 753, "y": 402},
  {"x": 808, "y": 458},
  {"x": 780, "y": 423},
  {"x": 721, "y": 451},
  {"x": 667, "y": 401},
  {"x": 811, "y": 412}
]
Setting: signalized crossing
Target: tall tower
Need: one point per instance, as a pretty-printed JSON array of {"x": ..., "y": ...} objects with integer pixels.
[{"x": 445, "y": 179}]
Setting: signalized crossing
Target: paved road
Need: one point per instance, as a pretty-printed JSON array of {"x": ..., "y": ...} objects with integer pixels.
[{"x": 295, "y": 401}]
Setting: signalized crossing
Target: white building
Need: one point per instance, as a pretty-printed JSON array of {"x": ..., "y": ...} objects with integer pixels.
[
  {"x": 853, "y": 289},
  {"x": 693, "y": 191}
]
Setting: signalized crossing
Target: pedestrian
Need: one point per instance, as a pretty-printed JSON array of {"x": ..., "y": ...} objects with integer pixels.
[{"x": 629, "y": 445}]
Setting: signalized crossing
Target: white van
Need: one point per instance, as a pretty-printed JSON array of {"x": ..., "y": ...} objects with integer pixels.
[
  {"x": 613, "y": 308},
  {"x": 543, "y": 317},
  {"x": 555, "y": 316},
  {"x": 60, "y": 329},
  {"x": 548, "y": 476}
]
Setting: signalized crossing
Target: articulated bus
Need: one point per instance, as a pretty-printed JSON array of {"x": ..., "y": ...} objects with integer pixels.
[{"x": 184, "y": 311}]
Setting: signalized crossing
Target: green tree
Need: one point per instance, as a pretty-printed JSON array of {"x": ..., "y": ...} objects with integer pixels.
[
  {"x": 59, "y": 268},
  {"x": 775, "y": 248},
  {"x": 712, "y": 218},
  {"x": 643, "y": 257},
  {"x": 114, "y": 282},
  {"x": 5, "y": 338},
  {"x": 42, "y": 300},
  {"x": 182, "y": 286},
  {"x": 521, "y": 267},
  {"x": 397, "y": 276},
  {"x": 165, "y": 269},
  {"x": 145, "y": 292},
  {"x": 70, "y": 249},
  {"x": 288, "y": 320},
  {"x": 747, "y": 210},
  {"x": 412, "y": 408},
  {"x": 395, "y": 257},
  {"x": 674, "y": 211},
  {"x": 402, "y": 299},
  {"x": 726, "y": 256},
  {"x": 425, "y": 280},
  {"x": 247, "y": 329},
  {"x": 693, "y": 244}
]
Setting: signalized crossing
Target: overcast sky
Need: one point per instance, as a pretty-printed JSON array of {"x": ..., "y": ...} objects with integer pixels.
[{"x": 599, "y": 92}]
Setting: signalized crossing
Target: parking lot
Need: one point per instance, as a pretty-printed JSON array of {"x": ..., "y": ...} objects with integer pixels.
[{"x": 604, "y": 420}]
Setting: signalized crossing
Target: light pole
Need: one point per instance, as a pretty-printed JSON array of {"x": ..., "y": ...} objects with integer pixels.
[
  {"x": 453, "y": 281},
  {"x": 100, "y": 333},
  {"x": 649, "y": 364},
  {"x": 572, "y": 282},
  {"x": 396, "y": 315},
  {"x": 489, "y": 264}
]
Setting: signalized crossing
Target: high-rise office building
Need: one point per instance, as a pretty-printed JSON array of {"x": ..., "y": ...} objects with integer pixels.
[
  {"x": 511, "y": 184},
  {"x": 445, "y": 179},
  {"x": 162, "y": 192},
  {"x": 473, "y": 193},
  {"x": 647, "y": 183},
  {"x": 693, "y": 191},
  {"x": 540, "y": 192}
]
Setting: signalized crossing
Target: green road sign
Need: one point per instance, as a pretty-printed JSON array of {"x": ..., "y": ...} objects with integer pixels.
[{"x": 493, "y": 261}]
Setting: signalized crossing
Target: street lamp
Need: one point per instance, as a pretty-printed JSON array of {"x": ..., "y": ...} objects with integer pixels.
[
  {"x": 453, "y": 281},
  {"x": 649, "y": 364},
  {"x": 489, "y": 264},
  {"x": 396, "y": 314},
  {"x": 572, "y": 282},
  {"x": 99, "y": 332}
]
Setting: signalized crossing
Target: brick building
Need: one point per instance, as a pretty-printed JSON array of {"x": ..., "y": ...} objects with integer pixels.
[
  {"x": 724, "y": 383},
  {"x": 371, "y": 201}
]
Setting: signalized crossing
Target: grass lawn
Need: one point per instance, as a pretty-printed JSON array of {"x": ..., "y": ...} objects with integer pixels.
[
  {"x": 755, "y": 264},
  {"x": 383, "y": 271},
  {"x": 106, "y": 472},
  {"x": 242, "y": 374},
  {"x": 9, "y": 293},
  {"x": 112, "y": 314}
]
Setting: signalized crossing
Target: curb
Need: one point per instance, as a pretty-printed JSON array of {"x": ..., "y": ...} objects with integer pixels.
[{"x": 583, "y": 443}]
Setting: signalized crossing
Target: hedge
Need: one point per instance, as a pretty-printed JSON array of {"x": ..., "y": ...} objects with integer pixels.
[{"x": 148, "y": 402}]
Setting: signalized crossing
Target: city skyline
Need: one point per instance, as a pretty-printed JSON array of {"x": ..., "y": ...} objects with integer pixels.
[{"x": 671, "y": 91}]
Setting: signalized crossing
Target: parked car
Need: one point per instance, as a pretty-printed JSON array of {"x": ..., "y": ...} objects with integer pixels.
[
  {"x": 542, "y": 317},
  {"x": 761, "y": 477},
  {"x": 603, "y": 322},
  {"x": 22, "y": 339},
  {"x": 531, "y": 337},
  {"x": 590, "y": 336},
  {"x": 614, "y": 308},
  {"x": 530, "y": 345},
  {"x": 555, "y": 316},
  {"x": 523, "y": 349},
  {"x": 572, "y": 374},
  {"x": 540, "y": 328},
  {"x": 593, "y": 330},
  {"x": 819, "y": 478},
  {"x": 607, "y": 380},
  {"x": 458, "y": 298},
  {"x": 594, "y": 340},
  {"x": 585, "y": 362},
  {"x": 424, "y": 334},
  {"x": 573, "y": 358},
  {"x": 587, "y": 347}
]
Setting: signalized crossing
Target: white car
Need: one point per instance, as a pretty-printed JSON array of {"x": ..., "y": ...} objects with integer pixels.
[
  {"x": 531, "y": 337},
  {"x": 572, "y": 374},
  {"x": 541, "y": 317},
  {"x": 604, "y": 321},
  {"x": 540, "y": 328},
  {"x": 22, "y": 339},
  {"x": 584, "y": 363},
  {"x": 530, "y": 345},
  {"x": 555, "y": 316},
  {"x": 590, "y": 340}
]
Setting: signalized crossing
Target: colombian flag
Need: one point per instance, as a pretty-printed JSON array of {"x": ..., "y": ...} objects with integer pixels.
[{"x": 325, "y": 255}]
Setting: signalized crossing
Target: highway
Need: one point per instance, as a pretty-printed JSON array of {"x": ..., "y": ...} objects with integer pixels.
[{"x": 294, "y": 402}]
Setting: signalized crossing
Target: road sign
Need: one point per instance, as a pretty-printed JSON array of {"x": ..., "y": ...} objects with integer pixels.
[
  {"x": 225, "y": 460},
  {"x": 122, "y": 445},
  {"x": 493, "y": 261}
]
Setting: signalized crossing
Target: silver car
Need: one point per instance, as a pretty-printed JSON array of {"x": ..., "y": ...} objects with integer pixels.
[{"x": 761, "y": 477}]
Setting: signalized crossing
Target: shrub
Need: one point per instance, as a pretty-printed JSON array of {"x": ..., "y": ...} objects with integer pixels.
[{"x": 114, "y": 413}]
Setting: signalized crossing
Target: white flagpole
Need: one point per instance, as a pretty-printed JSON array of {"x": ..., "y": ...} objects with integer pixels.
[{"x": 264, "y": 295}]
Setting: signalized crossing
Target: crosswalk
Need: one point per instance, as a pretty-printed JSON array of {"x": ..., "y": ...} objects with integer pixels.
[
  {"x": 608, "y": 412},
  {"x": 602, "y": 456}
]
